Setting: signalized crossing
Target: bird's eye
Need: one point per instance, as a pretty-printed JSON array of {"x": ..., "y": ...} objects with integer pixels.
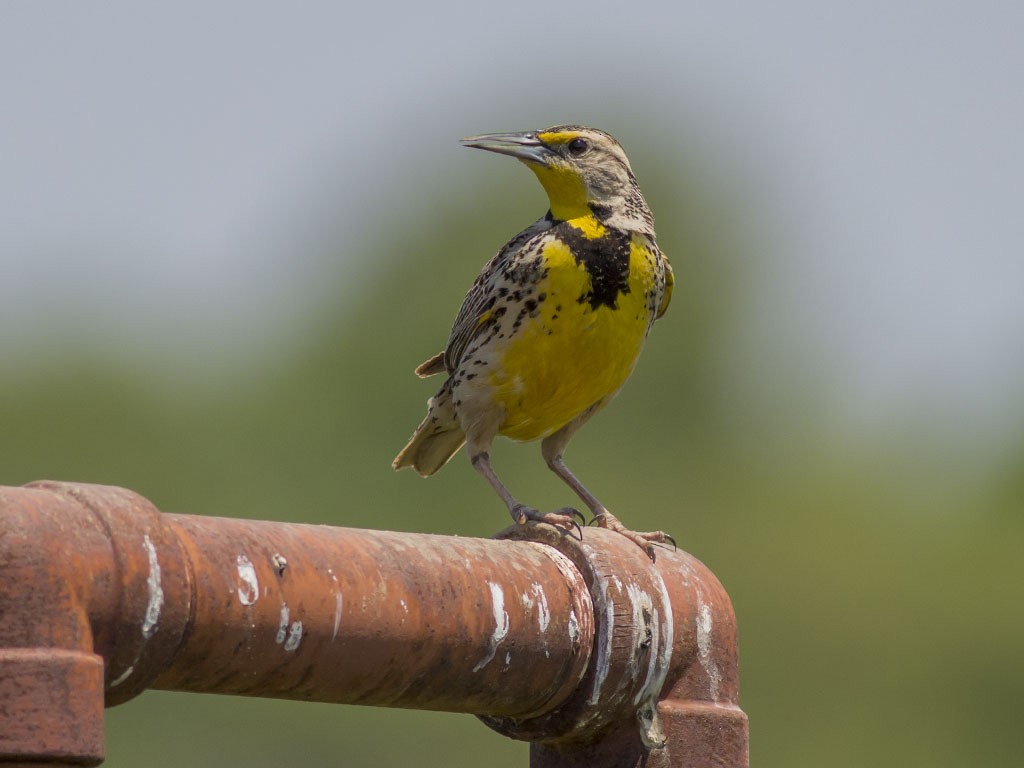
[{"x": 578, "y": 146}]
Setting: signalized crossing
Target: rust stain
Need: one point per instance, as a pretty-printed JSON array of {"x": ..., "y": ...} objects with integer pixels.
[{"x": 584, "y": 648}]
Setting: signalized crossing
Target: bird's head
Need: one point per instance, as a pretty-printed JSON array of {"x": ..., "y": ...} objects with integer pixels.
[{"x": 584, "y": 171}]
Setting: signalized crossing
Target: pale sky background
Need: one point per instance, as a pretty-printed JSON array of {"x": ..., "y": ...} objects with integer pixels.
[{"x": 173, "y": 175}]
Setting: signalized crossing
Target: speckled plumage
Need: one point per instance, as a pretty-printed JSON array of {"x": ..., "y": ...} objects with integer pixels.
[{"x": 553, "y": 325}]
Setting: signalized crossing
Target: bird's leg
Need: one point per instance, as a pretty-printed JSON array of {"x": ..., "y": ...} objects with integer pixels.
[
  {"x": 562, "y": 518},
  {"x": 552, "y": 451}
]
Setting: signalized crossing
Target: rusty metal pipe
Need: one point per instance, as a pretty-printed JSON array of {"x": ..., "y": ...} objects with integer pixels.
[
  {"x": 582, "y": 648},
  {"x": 380, "y": 618}
]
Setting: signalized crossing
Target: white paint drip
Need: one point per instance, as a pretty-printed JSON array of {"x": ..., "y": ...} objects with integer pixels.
[
  {"x": 653, "y": 628},
  {"x": 294, "y": 636},
  {"x": 604, "y": 652},
  {"x": 500, "y": 624},
  {"x": 288, "y": 634},
  {"x": 156, "y": 592},
  {"x": 282, "y": 626},
  {"x": 543, "y": 612},
  {"x": 122, "y": 677},
  {"x": 249, "y": 589},
  {"x": 337, "y": 604},
  {"x": 666, "y": 638},
  {"x": 337, "y": 615},
  {"x": 704, "y": 648},
  {"x": 572, "y": 577},
  {"x": 654, "y": 656},
  {"x": 659, "y": 652},
  {"x": 644, "y": 620},
  {"x": 153, "y": 606}
]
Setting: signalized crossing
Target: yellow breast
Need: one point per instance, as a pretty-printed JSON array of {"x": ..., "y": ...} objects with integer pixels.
[{"x": 570, "y": 355}]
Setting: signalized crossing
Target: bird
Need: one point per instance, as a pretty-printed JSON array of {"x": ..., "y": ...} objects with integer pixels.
[{"x": 553, "y": 325}]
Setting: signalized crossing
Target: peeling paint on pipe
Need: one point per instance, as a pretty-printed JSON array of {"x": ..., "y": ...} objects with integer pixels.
[{"x": 603, "y": 656}]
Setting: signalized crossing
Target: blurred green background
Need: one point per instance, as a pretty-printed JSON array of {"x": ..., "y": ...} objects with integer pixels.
[{"x": 873, "y": 553}]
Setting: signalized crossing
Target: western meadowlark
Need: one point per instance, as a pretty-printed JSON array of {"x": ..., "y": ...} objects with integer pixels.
[{"x": 553, "y": 325}]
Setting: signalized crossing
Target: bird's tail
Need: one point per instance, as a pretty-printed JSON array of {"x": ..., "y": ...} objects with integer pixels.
[{"x": 435, "y": 440}]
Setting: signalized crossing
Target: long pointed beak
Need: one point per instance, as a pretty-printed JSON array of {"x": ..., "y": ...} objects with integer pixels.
[{"x": 524, "y": 146}]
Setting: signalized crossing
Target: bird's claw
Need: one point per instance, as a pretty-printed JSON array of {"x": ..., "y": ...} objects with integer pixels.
[
  {"x": 651, "y": 539},
  {"x": 646, "y": 540},
  {"x": 565, "y": 518},
  {"x": 574, "y": 513}
]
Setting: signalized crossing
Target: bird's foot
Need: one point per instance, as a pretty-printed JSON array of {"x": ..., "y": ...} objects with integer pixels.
[
  {"x": 566, "y": 518},
  {"x": 643, "y": 539}
]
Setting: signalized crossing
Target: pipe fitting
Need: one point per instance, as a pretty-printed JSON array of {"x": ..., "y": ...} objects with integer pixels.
[{"x": 583, "y": 647}]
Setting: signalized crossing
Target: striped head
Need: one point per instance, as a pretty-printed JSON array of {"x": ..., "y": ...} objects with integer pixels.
[{"x": 584, "y": 171}]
